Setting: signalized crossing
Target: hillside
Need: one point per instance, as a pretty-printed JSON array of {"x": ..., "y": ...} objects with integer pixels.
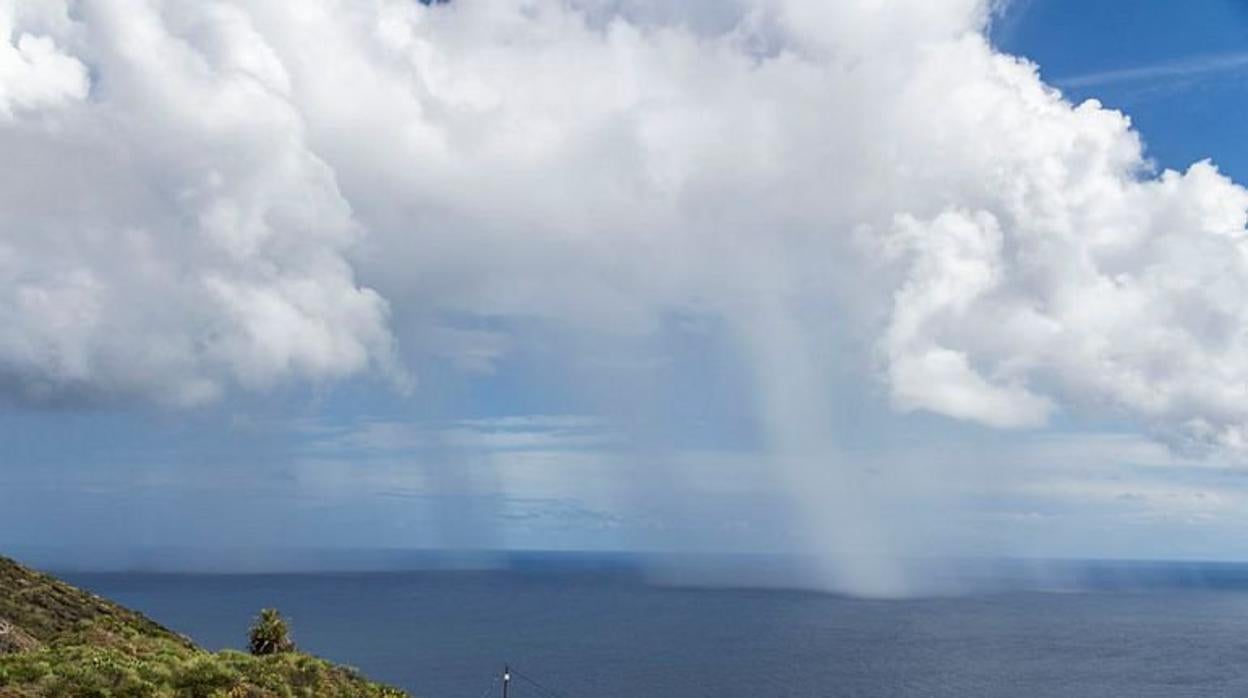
[{"x": 58, "y": 640}]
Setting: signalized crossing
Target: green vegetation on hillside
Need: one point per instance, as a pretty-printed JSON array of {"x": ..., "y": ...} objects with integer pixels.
[{"x": 59, "y": 641}]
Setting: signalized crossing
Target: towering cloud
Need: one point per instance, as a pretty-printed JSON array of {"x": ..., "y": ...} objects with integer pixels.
[
  {"x": 168, "y": 232},
  {"x": 198, "y": 197}
]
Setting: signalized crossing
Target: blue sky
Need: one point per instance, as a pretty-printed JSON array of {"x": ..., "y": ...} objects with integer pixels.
[
  {"x": 1176, "y": 69},
  {"x": 540, "y": 427}
]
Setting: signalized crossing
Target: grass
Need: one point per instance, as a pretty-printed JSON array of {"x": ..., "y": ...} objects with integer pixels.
[{"x": 60, "y": 641}]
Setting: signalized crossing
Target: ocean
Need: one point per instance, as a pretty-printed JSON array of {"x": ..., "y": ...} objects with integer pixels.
[{"x": 613, "y": 634}]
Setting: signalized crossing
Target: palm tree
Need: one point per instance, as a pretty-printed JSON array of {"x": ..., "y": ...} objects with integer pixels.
[{"x": 269, "y": 634}]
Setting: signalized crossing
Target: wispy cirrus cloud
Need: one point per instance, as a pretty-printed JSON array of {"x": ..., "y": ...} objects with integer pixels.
[{"x": 1174, "y": 70}]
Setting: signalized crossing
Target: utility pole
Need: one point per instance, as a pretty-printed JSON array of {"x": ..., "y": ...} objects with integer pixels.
[{"x": 506, "y": 679}]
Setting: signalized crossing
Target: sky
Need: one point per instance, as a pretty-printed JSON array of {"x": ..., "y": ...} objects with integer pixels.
[{"x": 859, "y": 280}]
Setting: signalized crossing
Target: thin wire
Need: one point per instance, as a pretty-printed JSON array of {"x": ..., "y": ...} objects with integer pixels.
[
  {"x": 540, "y": 687},
  {"x": 489, "y": 688}
]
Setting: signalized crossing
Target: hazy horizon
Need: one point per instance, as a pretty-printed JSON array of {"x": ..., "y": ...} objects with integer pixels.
[{"x": 878, "y": 284}]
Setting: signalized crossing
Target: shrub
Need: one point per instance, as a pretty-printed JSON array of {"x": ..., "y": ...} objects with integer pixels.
[
  {"x": 204, "y": 676},
  {"x": 269, "y": 634}
]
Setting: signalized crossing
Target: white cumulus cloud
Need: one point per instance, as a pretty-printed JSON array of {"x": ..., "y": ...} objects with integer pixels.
[
  {"x": 34, "y": 71},
  {"x": 172, "y": 235},
  {"x": 232, "y": 193}
]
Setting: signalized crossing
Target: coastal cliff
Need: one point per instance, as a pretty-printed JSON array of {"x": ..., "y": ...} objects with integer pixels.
[{"x": 58, "y": 640}]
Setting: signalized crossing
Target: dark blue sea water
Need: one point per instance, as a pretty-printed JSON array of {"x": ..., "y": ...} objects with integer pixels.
[{"x": 445, "y": 634}]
